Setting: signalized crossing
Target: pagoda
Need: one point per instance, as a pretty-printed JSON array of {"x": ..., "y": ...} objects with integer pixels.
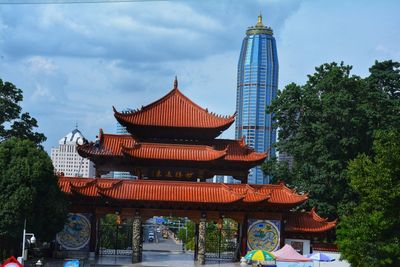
[
  {"x": 172, "y": 148},
  {"x": 172, "y": 139}
]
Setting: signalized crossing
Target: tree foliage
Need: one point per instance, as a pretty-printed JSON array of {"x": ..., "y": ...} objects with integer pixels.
[
  {"x": 115, "y": 232},
  {"x": 187, "y": 235},
  {"x": 370, "y": 235},
  {"x": 12, "y": 122},
  {"x": 29, "y": 190},
  {"x": 326, "y": 123}
]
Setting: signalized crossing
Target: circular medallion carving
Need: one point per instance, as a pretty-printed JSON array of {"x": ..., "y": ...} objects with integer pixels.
[
  {"x": 263, "y": 235},
  {"x": 76, "y": 232}
]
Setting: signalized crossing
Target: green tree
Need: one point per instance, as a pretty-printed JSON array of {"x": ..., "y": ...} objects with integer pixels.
[
  {"x": 187, "y": 235},
  {"x": 279, "y": 170},
  {"x": 12, "y": 122},
  {"x": 29, "y": 190},
  {"x": 326, "y": 123},
  {"x": 370, "y": 235},
  {"x": 386, "y": 77},
  {"x": 212, "y": 237},
  {"x": 213, "y": 234},
  {"x": 108, "y": 225}
]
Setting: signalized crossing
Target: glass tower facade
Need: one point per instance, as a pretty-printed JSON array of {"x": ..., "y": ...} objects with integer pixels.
[{"x": 257, "y": 85}]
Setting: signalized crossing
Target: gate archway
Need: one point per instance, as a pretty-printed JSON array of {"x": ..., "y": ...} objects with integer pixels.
[{"x": 199, "y": 202}]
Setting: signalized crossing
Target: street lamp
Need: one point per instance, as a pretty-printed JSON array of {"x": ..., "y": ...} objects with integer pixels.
[{"x": 25, "y": 237}]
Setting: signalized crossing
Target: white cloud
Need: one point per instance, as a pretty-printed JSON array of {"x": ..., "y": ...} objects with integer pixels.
[
  {"x": 387, "y": 51},
  {"x": 40, "y": 64},
  {"x": 42, "y": 94}
]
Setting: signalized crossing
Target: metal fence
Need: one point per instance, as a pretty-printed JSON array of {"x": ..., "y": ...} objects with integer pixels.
[
  {"x": 221, "y": 243},
  {"x": 115, "y": 239}
]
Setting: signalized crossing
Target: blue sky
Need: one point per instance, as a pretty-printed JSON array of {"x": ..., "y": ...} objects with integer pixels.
[{"x": 74, "y": 62}]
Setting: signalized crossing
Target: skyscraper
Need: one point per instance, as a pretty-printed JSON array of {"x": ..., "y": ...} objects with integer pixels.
[{"x": 257, "y": 85}]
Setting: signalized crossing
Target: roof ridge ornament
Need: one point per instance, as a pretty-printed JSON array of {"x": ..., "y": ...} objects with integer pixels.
[
  {"x": 84, "y": 185},
  {"x": 316, "y": 217},
  {"x": 229, "y": 189},
  {"x": 110, "y": 186},
  {"x": 176, "y": 82},
  {"x": 243, "y": 141}
]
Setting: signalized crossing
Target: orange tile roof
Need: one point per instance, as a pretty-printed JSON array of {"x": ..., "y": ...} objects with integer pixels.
[
  {"x": 174, "y": 110},
  {"x": 329, "y": 247},
  {"x": 206, "y": 193},
  {"x": 184, "y": 192},
  {"x": 173, "y": 152},
  {"x": 119, "y": 145},
  {"x": 278, "y": 193},
  {"x": 307, "y": 222},
  {"x": 237, "y": 150},
  {"x": 109, "y": 145}
]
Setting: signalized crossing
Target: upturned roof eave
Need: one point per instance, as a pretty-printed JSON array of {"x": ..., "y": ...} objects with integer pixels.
[
  {"x": 219, "y": 122},
  {"x": 311, "y": 230},
  {"x": 217, "y": 127},
  {"x": 308, "y": 222}
]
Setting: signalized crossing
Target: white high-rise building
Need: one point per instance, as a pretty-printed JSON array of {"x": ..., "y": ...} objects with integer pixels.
[{"x": 67, "y": 160}]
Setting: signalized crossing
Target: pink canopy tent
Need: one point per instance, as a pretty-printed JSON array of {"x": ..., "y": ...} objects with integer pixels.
[{"x": 288, "y": 253}]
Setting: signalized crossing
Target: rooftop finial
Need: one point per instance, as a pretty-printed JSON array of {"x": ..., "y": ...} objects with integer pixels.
[
  {"x": 76, "y": 125},
  {"x": 259, "y": 28},
  {"x": 176, "y": 82},
  {"x": 259, "y": 19}
]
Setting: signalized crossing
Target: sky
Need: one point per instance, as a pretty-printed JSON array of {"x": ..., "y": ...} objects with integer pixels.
[{"x": 75, "y": 61}]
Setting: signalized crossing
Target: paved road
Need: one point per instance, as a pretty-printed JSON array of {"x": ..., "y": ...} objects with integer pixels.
[
  {"x": 158, "y": 259},
  {"x": 159, "y": 244}
]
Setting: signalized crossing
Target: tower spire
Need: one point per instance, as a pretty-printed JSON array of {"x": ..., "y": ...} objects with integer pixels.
[
  {"x": 259, "y": 21},
  {"x": 176, "y": 82},
  {"x": 259, "y": 28}
]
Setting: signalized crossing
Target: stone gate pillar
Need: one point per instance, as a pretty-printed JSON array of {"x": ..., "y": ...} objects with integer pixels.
[
  {"x": 136, "y": 239},
  {"x": 202, "y": 241}
]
